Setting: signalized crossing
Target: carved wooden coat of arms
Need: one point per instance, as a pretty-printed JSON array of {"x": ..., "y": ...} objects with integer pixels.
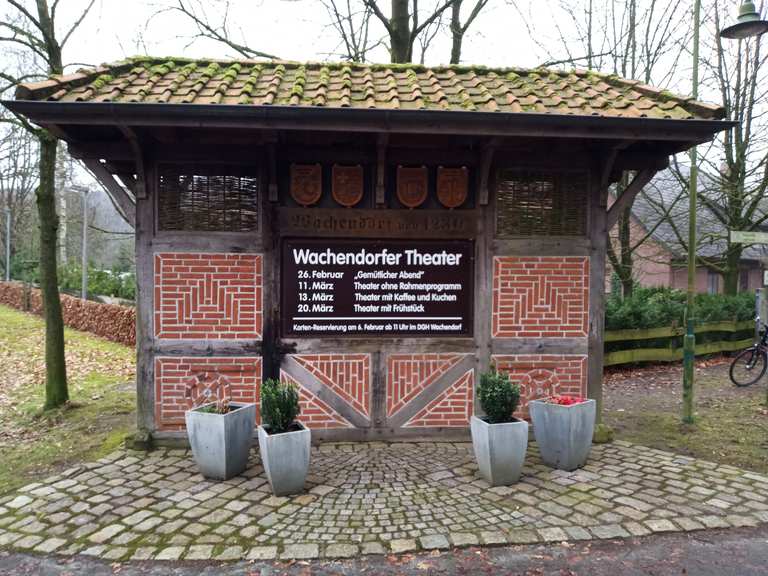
[
  {"x": 347, "y": 184},
  {"x": 306, "y": 183},
  {"x": 412, "y": 185},
  {"x": 452, "y": 185}
]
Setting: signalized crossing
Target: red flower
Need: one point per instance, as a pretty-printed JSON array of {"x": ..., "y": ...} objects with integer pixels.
[{"x": 566, "y": 400}]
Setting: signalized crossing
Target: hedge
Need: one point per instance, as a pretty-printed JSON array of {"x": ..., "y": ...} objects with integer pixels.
[{"x": 115, "y": 323}]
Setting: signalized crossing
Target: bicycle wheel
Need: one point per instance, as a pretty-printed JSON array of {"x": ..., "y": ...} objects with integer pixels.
[{"x": 749, "y": 366}]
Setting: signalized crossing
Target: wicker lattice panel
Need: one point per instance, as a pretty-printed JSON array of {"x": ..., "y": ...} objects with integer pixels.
[
  {"x": 541, "y": 204},
  {"x": 208, "y": 198}
]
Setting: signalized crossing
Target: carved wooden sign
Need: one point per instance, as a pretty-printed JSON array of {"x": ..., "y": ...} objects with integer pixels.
[
  {"x": 452, "y": 186},
  {"x": 306, "y": 183},
  {"x": 347, "y": 184},
  {"x": 412, "y": 185}
]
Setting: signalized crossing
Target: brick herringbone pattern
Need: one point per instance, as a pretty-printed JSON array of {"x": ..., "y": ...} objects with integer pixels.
[
  {"x": 348, "y": 375},
  {"x": 540, "y": 297},
  {"x": 180, "y": 381},
  {"x": 409, "y": 374},
  {"x": 541, "y": 375},
  {"x": 315, "y": 414},
  {"x": 452, "y": 407},
  {"x": 208, "y": 296}
]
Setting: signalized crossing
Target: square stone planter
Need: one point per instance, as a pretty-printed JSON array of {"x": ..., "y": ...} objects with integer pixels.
[
  {"x": 285, "y": 458},
  {"x": 221, "y": 443},
  {"x": 499, "y": 449},
  {"x": 563, "y": 433}
]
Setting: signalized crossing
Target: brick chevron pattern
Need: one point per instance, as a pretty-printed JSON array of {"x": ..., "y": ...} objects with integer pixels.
[
  {"x": 540, "y": 297},
  {"x": 453, "y": 407},
  {"x": 347, "y": 375},
  {"x": 179, "y": 379},
  {"x": 315, "y": 414},
  {"x": 541, "y": 375},
  {"x": 409, "y": 374},
  {"x": 208, "y": 296}
]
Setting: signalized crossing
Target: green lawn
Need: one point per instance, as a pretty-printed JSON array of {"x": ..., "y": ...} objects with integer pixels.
[
  {"x": 731, "y": 425},
  {"x": 99, "y": 415}
]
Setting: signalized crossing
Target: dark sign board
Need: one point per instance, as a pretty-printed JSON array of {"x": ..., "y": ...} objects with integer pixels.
[{"x": 377, "y": 287}]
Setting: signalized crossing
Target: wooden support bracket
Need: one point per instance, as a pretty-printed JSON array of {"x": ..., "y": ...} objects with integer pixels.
[
  {"x": 272, "y": 171},
  {"x": 141, "y": 187},
  {"x": 486, "y": 159},
  {"x": 121, "y": 199},
  {"x": 381, "y": 169},
  {"x": 630, "y": 192}
]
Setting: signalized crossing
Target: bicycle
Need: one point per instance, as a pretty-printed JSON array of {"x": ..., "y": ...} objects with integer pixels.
[{"x": 750, "y": 365}]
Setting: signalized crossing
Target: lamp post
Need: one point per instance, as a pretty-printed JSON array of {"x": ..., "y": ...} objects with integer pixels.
[
  {"x": 748, "y": 24},
  {"x": 7, "y": 244}
]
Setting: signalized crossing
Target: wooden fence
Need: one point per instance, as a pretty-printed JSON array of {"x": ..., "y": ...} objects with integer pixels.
[{"x": 673, "y": 350}]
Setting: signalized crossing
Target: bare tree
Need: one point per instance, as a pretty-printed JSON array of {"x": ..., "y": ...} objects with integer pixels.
[
  {"x": 18, "y": 180},
  {"x": 459, "y": 29},
  {"x": 734, "y": 173},
  {"x": 351, "y": 19},
  {"x": 199, "y": 13},
  {"x": 33, "y": 31}
]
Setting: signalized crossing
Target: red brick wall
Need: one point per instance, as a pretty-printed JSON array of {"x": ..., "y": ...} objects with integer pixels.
[
  {"x": 315, "y": 414},
  {"x": 208, "y": 296},
  {"x": 540, "y": 297},
  {"x": 453, "y": 407},
  {"x": 409, "y": 374},
  {"x": 182, "y": 381},
  {"x": 348, "y": 375},
  {"x": 541, "y": 375}
]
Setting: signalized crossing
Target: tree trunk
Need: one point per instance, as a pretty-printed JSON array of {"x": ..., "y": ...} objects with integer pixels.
[
  {"x": 625, "y": 271},
  {"x": 731, "y": 271},
  {"x": 56, "y": 392},
  {"x": 457, "y": 34},
  {"x": 401, "y": 43}
]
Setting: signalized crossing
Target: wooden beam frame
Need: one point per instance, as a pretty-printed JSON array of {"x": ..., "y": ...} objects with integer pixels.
[
  {"x": 638, "y": 183},
  {"x": 381, "y": 168},
  {"x": 140, "y": 188},
  {"x": 121, "y": 199}
]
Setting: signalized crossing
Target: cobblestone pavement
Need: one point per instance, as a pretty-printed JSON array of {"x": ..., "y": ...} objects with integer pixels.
[{"x": 368, "y": 499}]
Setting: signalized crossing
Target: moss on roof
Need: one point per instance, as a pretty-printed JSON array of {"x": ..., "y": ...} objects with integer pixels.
[{"x": 175, "y": 80}]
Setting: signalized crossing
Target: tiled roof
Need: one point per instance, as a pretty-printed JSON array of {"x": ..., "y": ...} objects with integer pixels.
[{"x": 384, "y": 86}]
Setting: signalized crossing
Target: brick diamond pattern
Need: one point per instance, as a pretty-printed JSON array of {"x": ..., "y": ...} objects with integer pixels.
[
  {"x": 451, "y": 408},
  {"x": 366, "y": 86},
  {"x": 315, "y": 414},
  {"x": 409, "y": 374},
  {"x": 541, "y": 375},
  {"x": 201, "y": 296},
  {"x": 347, "y": 375},
  {"x": 180, "y": 381},
  {"x": 540, "y": 297}
]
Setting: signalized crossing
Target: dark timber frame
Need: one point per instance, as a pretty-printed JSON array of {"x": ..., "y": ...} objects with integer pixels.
[{"x": 125, "y": 143}]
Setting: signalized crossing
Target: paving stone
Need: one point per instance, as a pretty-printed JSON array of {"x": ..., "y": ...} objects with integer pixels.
[
  {"x": 341, "y": 550},
  {"x": 400, "y": 545},
  {"x": 19, "y": 502},
  {"x": 493, "y": 537},
  {"x": 169, "y": 553},
  {"x": 106, "y": 533},
  {"x": 609, "y": 531},
  {"x": 199, "y": 552},
  {"x": 300, "y": 552},
  {"x": 231, "y": 553},
  {"x": 552, "y": 534},
  {"x": 434, "y": 542},
  {"x": 147, "y": 553},
  {"x": 464, "y": 539},
  {"x": 27, "y": 542},
  {"x": 50, "y": 545},
  {"x": 660, "y": 525},
  {"x": 262, "y": 553},
  {"x": 373, "y": 548}
]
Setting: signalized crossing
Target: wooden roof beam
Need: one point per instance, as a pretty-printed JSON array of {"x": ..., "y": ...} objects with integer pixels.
[
  {"x": 630, "y": 192},
  {"x": 121, "y": 199}
]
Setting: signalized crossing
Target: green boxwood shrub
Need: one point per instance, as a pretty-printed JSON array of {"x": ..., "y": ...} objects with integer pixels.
[
  {"x": 498, "y": 396},
  {"x": 279, "y": 405},
  {"x": 661, "y": 307}
]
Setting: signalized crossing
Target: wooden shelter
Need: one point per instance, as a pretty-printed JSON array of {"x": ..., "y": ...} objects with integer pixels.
[{"x": 380, "y": 235}]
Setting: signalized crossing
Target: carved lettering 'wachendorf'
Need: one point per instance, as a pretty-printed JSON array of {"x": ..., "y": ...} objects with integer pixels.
[{"x": 320, "y": 224}]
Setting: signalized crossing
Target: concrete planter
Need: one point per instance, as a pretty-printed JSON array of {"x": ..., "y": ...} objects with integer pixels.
[
  {"x": 221, "y": 443},
  {"x": 285, "y": 458},
  {"x": 499, "y": 449},
  {"x": 563, "y": 433}
]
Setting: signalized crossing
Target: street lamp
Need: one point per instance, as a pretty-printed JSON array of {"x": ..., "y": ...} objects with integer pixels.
[
  {"x": 7, "y": 244},
  {"x": 748, "y": 24}
]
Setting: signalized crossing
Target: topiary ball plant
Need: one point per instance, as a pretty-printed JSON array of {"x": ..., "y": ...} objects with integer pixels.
[
  {"x": 498, "y": 397},
  {"x": 279, "y": 405}
]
